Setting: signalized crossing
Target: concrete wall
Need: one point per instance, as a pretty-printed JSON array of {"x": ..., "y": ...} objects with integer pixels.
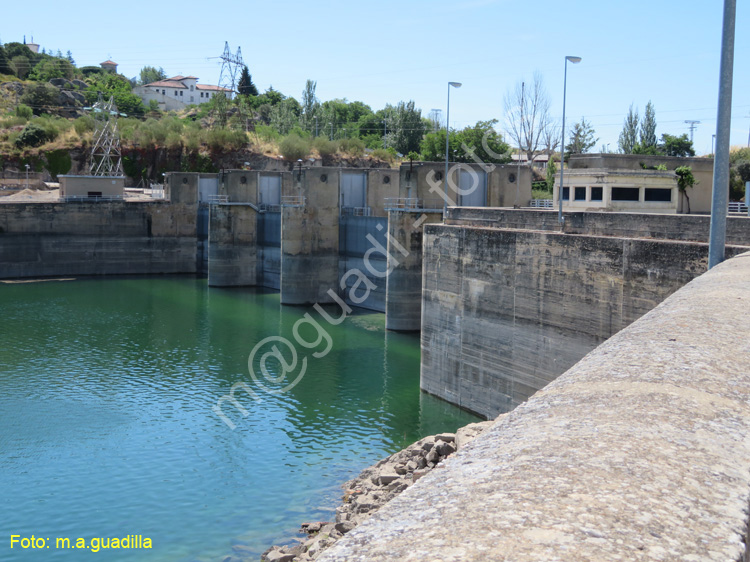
[
  {"x": 232, "y": 248},
  {"x": 423, "y": 180},
  {"x": 96, "y": 238},
  {"x": 310, "y": 238},
  {"x": 700, "y": 194},
  {"x": 81, "y": 186},
  {"x": 381, "y": 184},
  {"x": 639, "y": 452},
  {"x": 630, "y": 225},
  {"x": 504, "y": 311},
  {"x": 403, "y": 306}
]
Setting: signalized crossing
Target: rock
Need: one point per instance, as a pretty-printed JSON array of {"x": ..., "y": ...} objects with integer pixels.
[
  {"x": 444, "y": 449},
  {"x": 344, "y": 527},
  {"x": 80, "y": 84},
  {"x": 432, "y": 456},
  {"x": 61, "y": 83},
  {"x": 419, "y": 473},
  {"x": 400, "y": 469},
  {"x": 467, "y": 433},
  {"x": 385, "y": 478},
  {"x": 411, "y": 466},
  {"x": 447, "y": 437},
  {"x": 427, "y": 444},
  {"x": 312, "y": 527},
  {"x": 278, "y": 556}
]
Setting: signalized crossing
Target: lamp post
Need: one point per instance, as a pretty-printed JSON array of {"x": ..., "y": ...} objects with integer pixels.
[
  {"x": 574, "y": 60},
  {"x": 447, "y": 143},
  {"x": 27, "y": 175}
]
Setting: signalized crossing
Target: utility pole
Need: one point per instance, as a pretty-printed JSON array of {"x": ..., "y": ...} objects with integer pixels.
[{"x": 693, "y": 125}]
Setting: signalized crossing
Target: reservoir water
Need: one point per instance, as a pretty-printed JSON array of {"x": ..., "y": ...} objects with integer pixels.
[{"x": 107, "y": 428}]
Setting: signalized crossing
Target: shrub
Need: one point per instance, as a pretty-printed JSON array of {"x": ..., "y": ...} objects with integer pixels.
[
  {"x": 32, "y": 135},
  {"x": 293, "y": 147},
  {"x": 352, "y": 147},
  {"x": 324, "y": 147},
  {"x": 24, "y": 111},
  {"x": 58, "y": 162},
  {"x": 83, "y": 124},
  {"x": 267, "y": 133}
]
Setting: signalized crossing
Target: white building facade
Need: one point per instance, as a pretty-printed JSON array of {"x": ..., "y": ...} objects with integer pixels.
[{"x": 178, "y": 92}]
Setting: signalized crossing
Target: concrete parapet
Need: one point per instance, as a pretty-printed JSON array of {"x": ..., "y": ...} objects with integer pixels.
[
  {"x": 232, "y": 248},
  {"x": 638, "y": 452},
  {"x": 403, "y": 306},
  {"x": 506, "y": 311},
  {"x": 693, "y": 228}
]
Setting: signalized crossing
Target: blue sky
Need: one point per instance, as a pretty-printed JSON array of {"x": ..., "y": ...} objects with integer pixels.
[{"x": 664, "y": 51}]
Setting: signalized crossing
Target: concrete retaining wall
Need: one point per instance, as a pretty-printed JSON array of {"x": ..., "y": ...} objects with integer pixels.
[
  {"x": 504, "y": 312},
  {"x": 639, "y": 452},
  {"x": 629, "y": 225},
  {"x": 232, "y": 249},
  {"x": 96, "y": 238}
]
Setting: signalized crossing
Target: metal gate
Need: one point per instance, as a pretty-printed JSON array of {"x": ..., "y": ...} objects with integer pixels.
[
  {"x": 269, "y": 192},
  {"x": 208, "y": 188},
  {"x": 354, "y": 193},
  {"x": 472, "y": 188}
]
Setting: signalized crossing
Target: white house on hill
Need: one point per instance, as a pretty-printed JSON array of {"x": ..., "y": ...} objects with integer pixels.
[{"x": 178, "y": 92}]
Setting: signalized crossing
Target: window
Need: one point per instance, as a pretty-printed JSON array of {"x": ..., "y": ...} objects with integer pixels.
[
  {"x": 566, "y": 194},
  {"x": 191, "y": 87},
  {"x": 201, "y": 94},
  {"x": 180, "y": 93},
  {"x": 175, "y": 92},
  {"x": 191, "y": 98},
  {"x": 163, "y": 92},
  {"x": 625, "y": 194},
  {"x": 658, "y": 194},
  {"x": 580, "y": 194},
  {"x": 597, "y": 194},
  {"x": 208, "y": 94}
]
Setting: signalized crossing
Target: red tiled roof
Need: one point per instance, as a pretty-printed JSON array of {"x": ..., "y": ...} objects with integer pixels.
[
  {"x": 108, "y": 62},
  {"x": 168, "y": 83},
  {"x": 214, "y": 88}
]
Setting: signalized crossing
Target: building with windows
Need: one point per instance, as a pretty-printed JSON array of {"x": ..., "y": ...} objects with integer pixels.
[
  {"x": 178, "y": 92},
  {"x": 633, "y": 183}
]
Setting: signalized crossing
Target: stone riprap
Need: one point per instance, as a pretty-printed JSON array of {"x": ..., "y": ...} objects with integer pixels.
[
  {"x": 641, "y": 451},
  {"x": 373, "y": 488}
]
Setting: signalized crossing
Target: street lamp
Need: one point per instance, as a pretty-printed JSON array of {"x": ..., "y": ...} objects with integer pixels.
[
  {"x": 574, "y": 60},
  {"x": 447, "y": 144},
  {"x": 27, "y": 175}
]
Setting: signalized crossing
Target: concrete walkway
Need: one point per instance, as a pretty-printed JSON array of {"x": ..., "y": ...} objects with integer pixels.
[{"x": 641, "y": 451}]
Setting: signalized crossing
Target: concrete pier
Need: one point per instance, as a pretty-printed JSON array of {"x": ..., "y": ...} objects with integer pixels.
[
  {"x": 310, "y": 238},
  {"x": 403, "y": 307},
  {"x": 232, "y": 244}
]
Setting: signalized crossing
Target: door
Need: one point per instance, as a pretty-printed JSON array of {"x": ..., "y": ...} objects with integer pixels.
[
  {"x": 270, "y": 190},
  {"x": 472, "y": 188}
]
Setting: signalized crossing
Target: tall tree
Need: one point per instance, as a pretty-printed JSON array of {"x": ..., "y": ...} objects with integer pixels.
[
  {"x": 246, "y": 86},
  {"x": 676, "y": 146},
  {"x": 581, "y": 138},
  {"x": 310, "y": 105},
  {"x": 409, "y": 128},
  {"x": 69, "y": 57},
  {"x": 527, "y": 115},
  {"x": 685, "y": 180},
  {"x": 647, "y": 141},
  {"x": 150, "y": 74},
  {"x": 629, "y": 135}
]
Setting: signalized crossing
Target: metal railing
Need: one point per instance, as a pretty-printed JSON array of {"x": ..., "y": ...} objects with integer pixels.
[
  {"x": 356, "y": 211},
  {"x": 292, "y": 200},
  {"x": 412, "y": 204},
  {"x": 216, "y": 199},
  {"x": 269, "y": 208},
  {"x": 542, "y": 203},
  {"x": 737, "y": 207}
]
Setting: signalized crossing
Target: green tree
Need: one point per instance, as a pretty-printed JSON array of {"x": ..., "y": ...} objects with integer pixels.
[
  {"x": 310, "y": 105},
  {"x": 629, "y": 135},
  {"x": 246, "y": 86},
  {"x": 49, "y": 68},
  {"x": 676, "y": 146},
  {"x": 5, "y": 66},
  {"x": 647, "y": 140},
  {"x": 581, "y": 138},
  {"x": 408, "y": 128},
  {"x": 551, "y": 172},
  {"x": 484, "y": 142},
  {"x": 69, "y": 58},
  {"x": 41, "y": 98},
  {"x": 285, "y": 115},
  {"x": 21, "y": 66},
  {"x": 111, "y": 84},
  {"x": 685, "y": 180},
  {"x": 150, "y": 74}
]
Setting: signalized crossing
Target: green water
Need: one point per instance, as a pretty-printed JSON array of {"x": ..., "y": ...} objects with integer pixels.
[{"x": 107, "y": 428}]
